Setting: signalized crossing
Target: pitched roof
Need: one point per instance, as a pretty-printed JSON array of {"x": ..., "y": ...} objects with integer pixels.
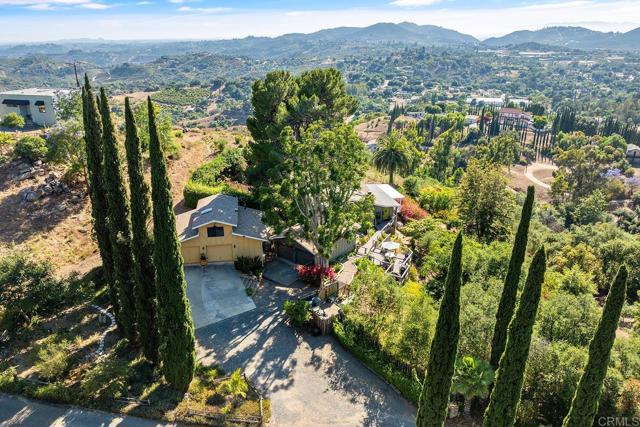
[
  {"x": 222, "y": 209},
  {"x": 383, "y": 196},
  {"x": 218, "y": 208}
]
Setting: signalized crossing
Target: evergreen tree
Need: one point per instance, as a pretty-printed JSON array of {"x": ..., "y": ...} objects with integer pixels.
[
  {"x": 434, "y": 398},
  {"x": 505, "y": 396},
  {"x": 119, "y": 222},
  {"x": 145, "y": 290},
  {"x": 585, "y": 401},
  {"x": 177, "y": 350},
  {"x": 509, "y": 293},
  {"x": 95, "y": 178}
]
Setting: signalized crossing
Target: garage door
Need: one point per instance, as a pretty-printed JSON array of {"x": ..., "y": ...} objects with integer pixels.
[
  {"x": 191, "y": 255},
  {"x": 220, "y": 253},
  {"x": 286, "y": 252}
]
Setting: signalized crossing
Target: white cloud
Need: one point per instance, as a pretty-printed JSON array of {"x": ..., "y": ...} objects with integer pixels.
[
  {"x": 204, "y": 9},
  {"x": 95, "y": 6},
  {"x": 566, "y": 5},
  {"x": 414, "y": 3},
  {"x": 40, "y": 3},
  {"x": 41, "y": 6},
  {"x": 182, "y": 1},
  {"x": 144, "y": 3}
]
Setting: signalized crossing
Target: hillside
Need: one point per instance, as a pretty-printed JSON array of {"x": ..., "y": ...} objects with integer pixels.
[{"x": 570, "y": 37}]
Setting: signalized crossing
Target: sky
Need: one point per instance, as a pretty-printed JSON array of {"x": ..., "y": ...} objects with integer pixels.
[{"x": 49, "y": 20}]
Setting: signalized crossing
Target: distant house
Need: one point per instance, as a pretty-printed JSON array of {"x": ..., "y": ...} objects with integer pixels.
[
  {"x": 386, "y": 201},
  {"x": 633, "y": 153},
  {"x": 515, "y": 114},
  {"x": 221, "y": 230},
  {"x": 37, "y": 106},
  {"x": 482, "y": 101}
]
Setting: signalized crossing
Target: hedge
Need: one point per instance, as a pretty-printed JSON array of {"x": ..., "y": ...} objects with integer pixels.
[
  {"x": 409, "y": 388},
  {"x": 195, "y": 191}
]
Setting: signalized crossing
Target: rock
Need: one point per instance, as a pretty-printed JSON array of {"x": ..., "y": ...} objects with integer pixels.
[
  {"x": 25, "y": 175},
  {"x": 37, "y": 163},
  {"x": 75, "y": 199},
  {"x": 32, "y": 196},
  {"x": 48, "y": 190},
  {"x": 61, "y": 207},
  {"x": 53, "y": 176}
]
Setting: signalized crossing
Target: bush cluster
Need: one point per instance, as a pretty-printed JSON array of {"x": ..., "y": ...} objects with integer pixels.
[
  {"x": 30, "y": 148},
  {"x": 299, "y": 312}
]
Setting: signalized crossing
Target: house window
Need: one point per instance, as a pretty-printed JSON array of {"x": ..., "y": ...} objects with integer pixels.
[
  {"x": 42, "y": 108},
  {"x": 215, "y": 231}
]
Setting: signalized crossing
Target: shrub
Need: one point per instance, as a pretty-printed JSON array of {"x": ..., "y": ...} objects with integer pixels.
[
  {"x": 315, "y": 274},
  {"x": 56, "y": 392},
  {"x": 410, "y": 210},
  {"x": 235, "y": 385},
  {"x": 5, "y": 139},
  {"x": 570, "y": 318},
  {"x": 436, "y": 199},
  {"x": 248, "y": 265},
  {"x": 629, "y": 400},
  {"x": 299, "y": 312},
  {"x": 53, "y": 358},
  {"x": 210, "y": 172},
  {"x": 30, "y": 148},
  {"x": 13, "y": 120},
  {"x": 195, "y": 191},
  {"x": 107, "y": 380}
]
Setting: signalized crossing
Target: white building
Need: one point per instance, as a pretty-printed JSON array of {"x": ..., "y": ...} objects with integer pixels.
[{"x": 35, "y": 105}]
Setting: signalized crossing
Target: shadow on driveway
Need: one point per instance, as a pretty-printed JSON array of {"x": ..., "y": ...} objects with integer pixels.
[{"x": 309, "y": 380}]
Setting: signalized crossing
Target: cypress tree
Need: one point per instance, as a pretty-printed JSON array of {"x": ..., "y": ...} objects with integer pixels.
[
  {"x": 585, "y": 400},
  {"x": 177, "y": 350},
  {"x": 145, "y": 289},
  {"x": 510, "y": 291},
  {"x": 119, "y": 222},
  {"x": 434, "y": 398},
  {"x": 95, "y": 181},
  {"x": 505, "y": 395}
]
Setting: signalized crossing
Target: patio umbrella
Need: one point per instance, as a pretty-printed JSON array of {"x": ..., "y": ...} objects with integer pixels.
[{"x": 390, "y": 246}]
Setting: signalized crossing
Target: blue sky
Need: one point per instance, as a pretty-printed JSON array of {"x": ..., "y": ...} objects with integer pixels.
[{"x": 43, "y": 20}]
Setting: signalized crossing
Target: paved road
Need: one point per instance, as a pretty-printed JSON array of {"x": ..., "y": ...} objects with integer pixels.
[
  {"x": 17, "y": 411},
  {"x": 310, "y": 380}
]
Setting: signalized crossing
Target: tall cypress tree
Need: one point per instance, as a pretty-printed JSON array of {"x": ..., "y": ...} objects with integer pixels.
[
  {"x": 176, "y": 326},
  {"x": 434, "y": 398},
  {"x": 505, "y": 395},
  {"x": 145, "y": 289},
  {"x": 510, "y": 291},
  {"x": 95, "y": 178},
  {"x": 585, "y": 401},
  {"x": 119, "y": 222}
]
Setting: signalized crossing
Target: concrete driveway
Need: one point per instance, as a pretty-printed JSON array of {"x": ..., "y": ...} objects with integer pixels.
[
  {"x": 16, "y": 411},
  {"x": 216, "y": 293},
  {"x": 309, "y": 380}
]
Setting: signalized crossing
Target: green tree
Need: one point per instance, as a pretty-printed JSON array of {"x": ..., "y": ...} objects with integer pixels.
[
  {"x": 164, "y": 126},
  {"x": 512, "y": 280},
  {"x": 585, "y": 401},
  {"x": 119, "y": 221},
  {"x": 472, "y": 379},
  {"x": 434, "y": 398},
  {"x": 392, "y": 154},
  {"x": 177, "y": 349},
  {"x": 145, "y": 290},
  {"x": 95, "y": 175},
  {"x": 505, "y": 396},
  {"x": 282, "y": 100},
  {"x": 591, "y": 208},
  {"x": 64, "y": 146},
  {"x": 13, "y": 120},
  {"x": 442, "y": 154},
  {"x": 484, "y": 202},
  {"x": 322, "y": 171},
  {"x": 502, "y": 150}
]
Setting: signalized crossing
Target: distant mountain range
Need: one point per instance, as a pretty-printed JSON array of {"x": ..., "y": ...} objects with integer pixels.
[
  {"x": 330, "y": 42},
  {"x": 570, "y": 37}
]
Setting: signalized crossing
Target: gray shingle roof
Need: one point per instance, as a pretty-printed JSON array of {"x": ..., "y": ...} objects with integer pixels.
[
  {"x": 218, "y": 208},
  {"x": 250, "y": 224},
  {"x": 381, "y": 199},
  {"x": 222, "y": 209}
]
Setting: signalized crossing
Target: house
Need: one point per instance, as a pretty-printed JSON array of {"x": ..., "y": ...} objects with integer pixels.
[
  {"x": 221, "y": 230},
  {"x": 633, "y": 153},
  {"x": 386, "y": 201},
  {"x": 300, "y": 251},
  {"x": 37, "y": 106},
  {"x": 515, "y": 114}
]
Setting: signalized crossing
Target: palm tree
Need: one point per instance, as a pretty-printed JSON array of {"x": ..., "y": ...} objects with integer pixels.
[
  {"x": 471, "y": 379},
  {"x": 392, "y": 155}
]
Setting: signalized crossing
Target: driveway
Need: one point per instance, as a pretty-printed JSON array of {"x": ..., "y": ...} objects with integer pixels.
[
  {"x": 309, "y": 380},
  {"x": 216, "y": 293},
  {"x": 17, "y": 411}
]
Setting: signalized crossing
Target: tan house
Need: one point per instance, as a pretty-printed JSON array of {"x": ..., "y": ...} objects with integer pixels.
[{"x": 221, "y": 230}]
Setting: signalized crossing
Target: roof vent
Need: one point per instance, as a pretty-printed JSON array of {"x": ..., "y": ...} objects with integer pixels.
[{"x": 206, "y": 211}]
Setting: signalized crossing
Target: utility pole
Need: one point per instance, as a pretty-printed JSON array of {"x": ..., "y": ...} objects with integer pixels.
[{"x": 75, "y": 70}]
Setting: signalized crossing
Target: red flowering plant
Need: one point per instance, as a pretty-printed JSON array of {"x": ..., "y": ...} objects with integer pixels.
[
  {"x": 315, "y": 274},
  {"x": 410, "y": 209}
]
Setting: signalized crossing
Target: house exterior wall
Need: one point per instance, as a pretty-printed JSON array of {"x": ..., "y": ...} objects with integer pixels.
[
  {"x": 48, "y": 118},
  {"x": 342, "y": 246},
  {"x": 219, "y": 249}
]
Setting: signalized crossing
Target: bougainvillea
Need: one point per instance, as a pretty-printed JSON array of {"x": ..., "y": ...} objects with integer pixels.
[
  {"x": 410, "y": 209},
  {"x": 315, "y": 274}
]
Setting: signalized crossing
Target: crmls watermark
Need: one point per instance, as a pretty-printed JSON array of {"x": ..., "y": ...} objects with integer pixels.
[{"x": 618, "y": 422}]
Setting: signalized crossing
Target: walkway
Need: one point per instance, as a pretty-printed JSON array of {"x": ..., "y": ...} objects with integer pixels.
[
  {"x": 539, "y": 167},
  {"x": 310, "y": 380},
  {"x": 17, "y": 411}
]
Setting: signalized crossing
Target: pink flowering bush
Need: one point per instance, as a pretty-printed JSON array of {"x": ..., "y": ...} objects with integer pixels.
[{"x": 315, "y": 274}]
